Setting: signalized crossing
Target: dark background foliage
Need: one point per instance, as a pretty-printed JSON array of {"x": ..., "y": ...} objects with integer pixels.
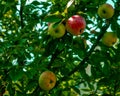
[{"x": 26, "y": 49}]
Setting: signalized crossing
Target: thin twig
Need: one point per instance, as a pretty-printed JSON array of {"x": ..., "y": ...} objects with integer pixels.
[{"x": 21, "y": 14}]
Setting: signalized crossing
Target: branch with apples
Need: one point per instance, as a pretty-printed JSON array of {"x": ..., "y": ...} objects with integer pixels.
[{"x": 75, "y": 25}]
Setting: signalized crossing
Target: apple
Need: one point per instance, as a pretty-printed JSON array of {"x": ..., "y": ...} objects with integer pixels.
[
  {"x": 71, "y": 92},
  {"x": 109, "y": 39},
  {"x": 106, "y": 11},
  {"x": 57, "y": 31},
  {"x": 79, "y": 42},
  {"x": 75, "y": 25},
  {"x": 47, "y": 80}
]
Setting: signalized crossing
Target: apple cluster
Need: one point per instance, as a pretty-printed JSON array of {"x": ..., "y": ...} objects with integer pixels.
[
  {"x": 74, "y": 25},
  {"x": 106, "y": 11}
]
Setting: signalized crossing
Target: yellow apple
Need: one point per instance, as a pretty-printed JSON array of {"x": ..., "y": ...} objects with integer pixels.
[
  {"x": 57, "y": 31},
  {"x": 106, "y": 11},
  {"x": 47, "y": 80},
  {"x": 109, "y": 39}
]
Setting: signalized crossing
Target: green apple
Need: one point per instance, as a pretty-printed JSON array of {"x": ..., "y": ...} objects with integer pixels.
[
  {"x": 57, "y": 31},
  {"x": 106, "y": 11},
  {"x": 47, "y": 80},
  {"x": 109, "y": 39}
]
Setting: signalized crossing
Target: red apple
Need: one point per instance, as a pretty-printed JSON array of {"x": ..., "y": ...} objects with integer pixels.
[
  {"x": 76, "y": 25},
  {"x": 47, "y": 80}
]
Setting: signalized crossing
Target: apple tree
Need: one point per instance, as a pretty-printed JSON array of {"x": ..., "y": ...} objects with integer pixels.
[{"x": 39, "y": 35}]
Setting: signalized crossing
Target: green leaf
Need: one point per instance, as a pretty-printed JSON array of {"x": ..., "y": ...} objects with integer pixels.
[
  {"x": 16, "y": 74},
  {"x": 35, "y": 3},
  {"x": 18, "y": 93},
  {"x": 51, "y": 47},
  {"x": 76, "y": 90},
  {"x": 30, "y": 73},
  {"x": 61, "y": 45},
  {"x": 64, "y": 71},
  {"x": 11, "y": 89},
  {"x": 86, "y": 89},
  {"x": 32, "y": 84},
  {"x": 53, "y": 18},
  {"x": 106, "y": 69}
]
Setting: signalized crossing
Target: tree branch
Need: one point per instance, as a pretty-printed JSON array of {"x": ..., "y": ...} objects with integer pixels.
[
  {"x": 57, "y": 52},
  {"x": 82, "y": 63},
  {"x": 36, "y": 91},
  {"x": 21, "y": 14},
  {"x": 116, "y": 87}
]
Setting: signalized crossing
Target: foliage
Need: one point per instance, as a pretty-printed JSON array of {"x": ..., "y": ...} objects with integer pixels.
[{"x": 26, "y": 49}]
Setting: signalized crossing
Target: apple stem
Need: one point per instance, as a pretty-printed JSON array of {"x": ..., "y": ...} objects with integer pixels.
[
  {"x": 81, "y": 31},
  {"x": 51, "y": 81}
]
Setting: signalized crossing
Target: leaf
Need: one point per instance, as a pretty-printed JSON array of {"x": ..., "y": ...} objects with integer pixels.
[
  {"x": 76, "y": 90},
  {"x": 84, "y": 74},
  {"x": 55, "y": 24},
  {"x": 32, "y": 84},
  {"x": 64, "y": 71},
  {"x": 69, "y": 3},
  {"x": 51, "y": 47},
  {"x": 52, "y": 18},
  {"x": 90, "y": 22},
  {"x": 35, "y": 3},
  {"x": 19, "y": 86},
  {"x": 86, "y": 89},
  {"x": 11, "y": 89},
  {"x": 30, "y": 73},
  {"x": 61, "y": 46},
  {"x": 106, "y": 69},
  {"x": 18, "y": 93},
  {"x": 16, "y": 74}
]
